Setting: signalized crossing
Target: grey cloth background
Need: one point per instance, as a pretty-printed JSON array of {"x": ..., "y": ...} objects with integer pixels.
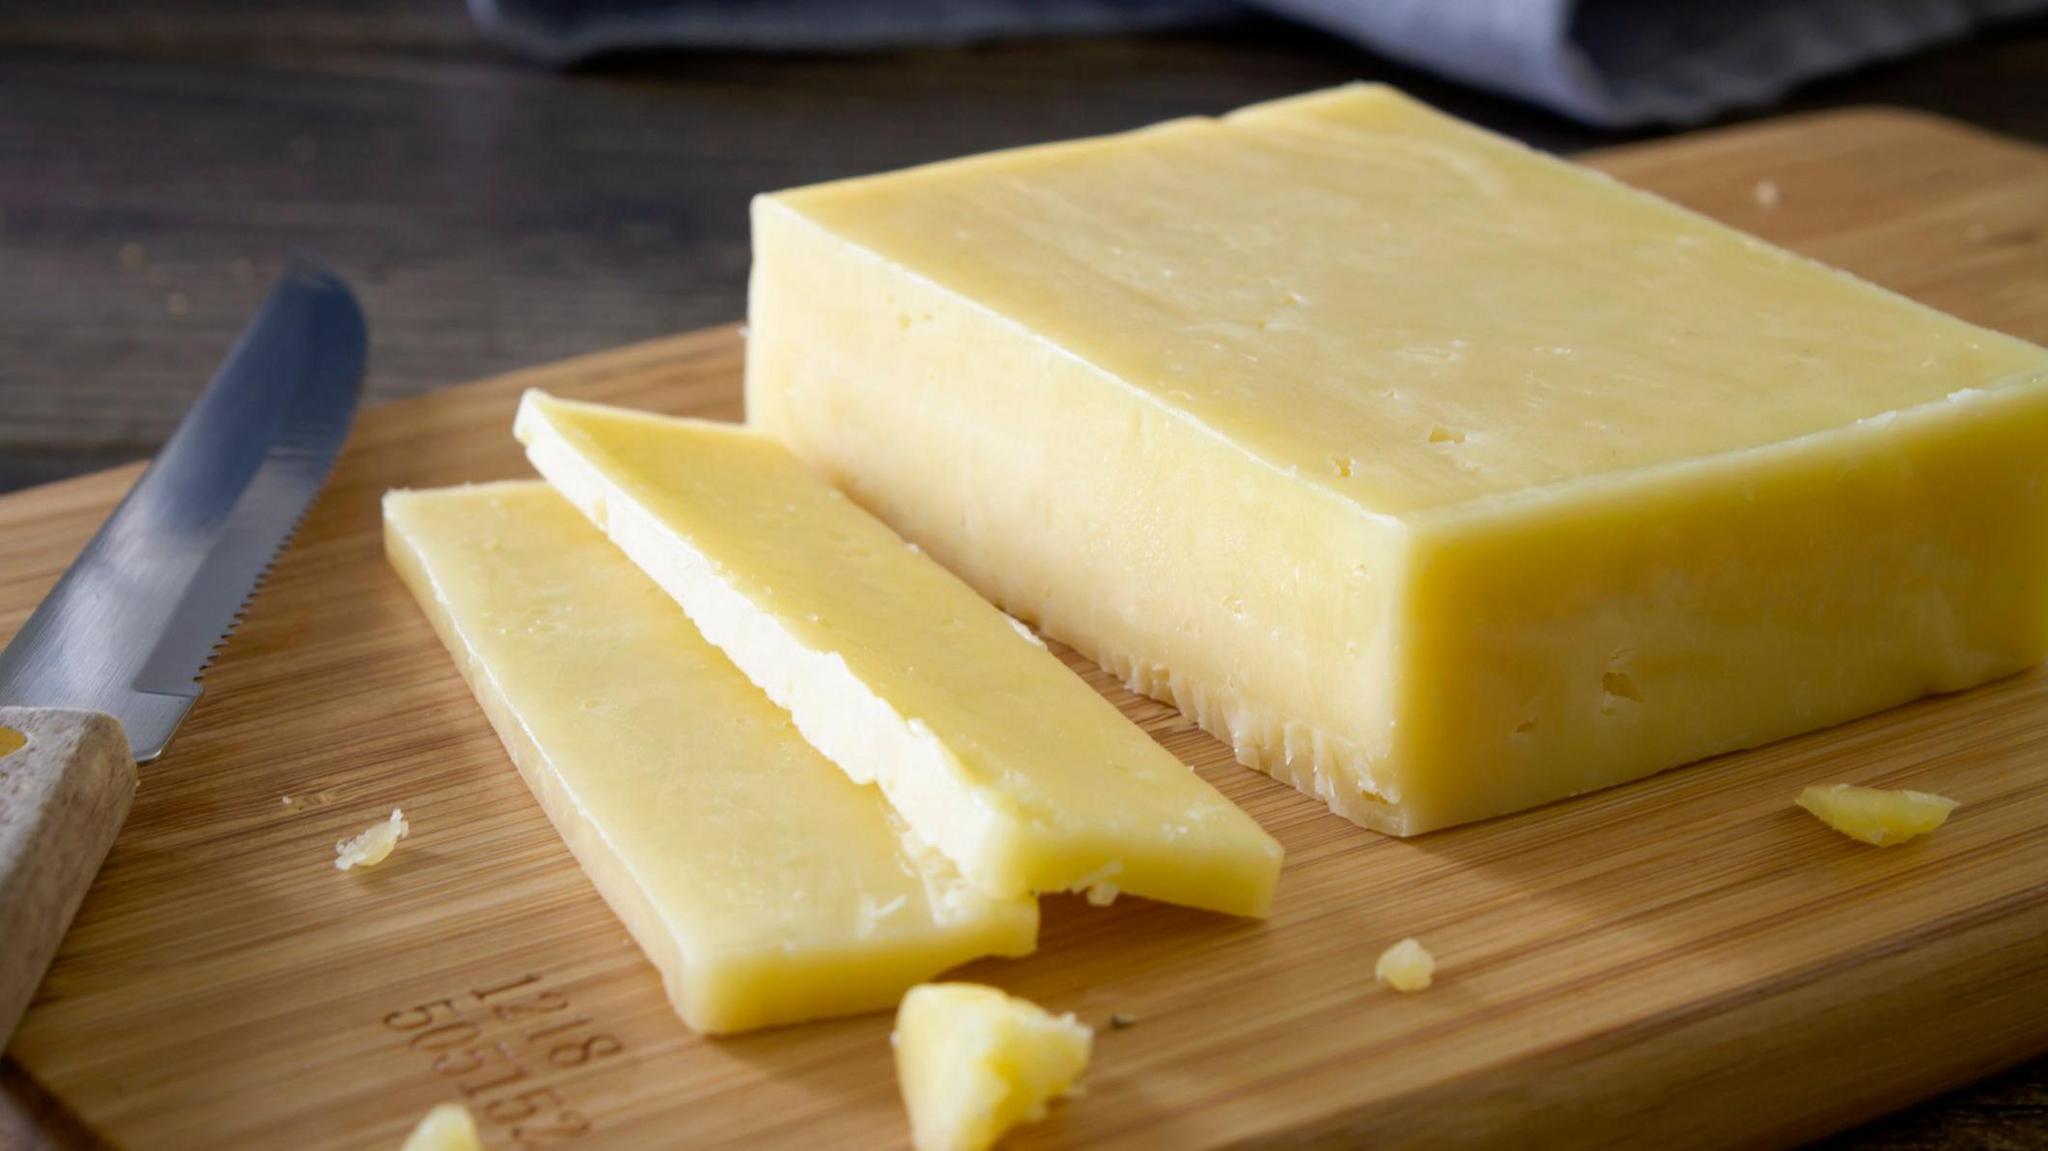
[{"x": 1612, "y": 63}]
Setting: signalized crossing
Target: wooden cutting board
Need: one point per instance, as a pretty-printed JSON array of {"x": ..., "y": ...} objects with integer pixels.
[{"x": 1686, "y": 961}]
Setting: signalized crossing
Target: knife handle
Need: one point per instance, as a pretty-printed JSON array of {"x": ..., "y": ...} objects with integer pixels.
[{"x": 66, "y": 782}]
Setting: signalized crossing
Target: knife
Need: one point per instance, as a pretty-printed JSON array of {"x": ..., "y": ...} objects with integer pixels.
[{"x": 101, "y": 675}]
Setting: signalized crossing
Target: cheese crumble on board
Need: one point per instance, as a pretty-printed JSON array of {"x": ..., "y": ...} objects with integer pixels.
[
  {"x": 448, "y": 1127},
  {"x": 1406, "y": 966},
  {"x": 374, "y": 844},
  {"x": 973, "y": 1062},
  {"x": 1876, "y": 816}
]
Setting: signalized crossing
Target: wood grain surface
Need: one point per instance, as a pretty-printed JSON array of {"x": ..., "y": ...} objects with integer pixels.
[{"x": 1689, "y": 960}]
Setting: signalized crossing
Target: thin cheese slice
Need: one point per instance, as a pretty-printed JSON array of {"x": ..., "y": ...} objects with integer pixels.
[
  {"x": 989, "y": 747},
  {"x": 1440, "y": 477},
  {"x": 764, "y": 885}
]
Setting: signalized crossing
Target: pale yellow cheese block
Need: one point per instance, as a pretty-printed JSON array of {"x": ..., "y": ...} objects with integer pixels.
[
  {"x": 973, "y": 1062},
  {"x": 765, "y": 886},
  {"x": 984, "y": 742},
  {"x": 1440, "y": 477}
]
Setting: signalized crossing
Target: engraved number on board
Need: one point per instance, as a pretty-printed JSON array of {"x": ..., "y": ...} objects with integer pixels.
[
  {"x": 497, "y": 1045},
  {"x": 577, "y": 1054},
  {"x": 567, "y": 1125},
  {"x": 543, "y": 1003}
]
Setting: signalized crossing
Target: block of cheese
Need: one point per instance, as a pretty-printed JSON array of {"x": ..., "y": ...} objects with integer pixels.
[
  {"x": 985, "y": 743},
  {"x": 1439, "y": 477},
  {"x": 973, "y": 1062},
  {"x": 765, "y": 886}
]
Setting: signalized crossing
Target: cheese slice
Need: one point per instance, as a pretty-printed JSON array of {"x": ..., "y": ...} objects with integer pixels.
[
  {"x": 981, "y": 738},
  {"x": 1440, "y": 477},
  {"x": 763, "y": 885},
  {"x": 973, "y": 1062}
]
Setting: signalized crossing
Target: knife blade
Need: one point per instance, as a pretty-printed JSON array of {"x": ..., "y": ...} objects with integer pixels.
[
  {"x": 136, "y": 619},
  {"x": 138, "y": 616}
]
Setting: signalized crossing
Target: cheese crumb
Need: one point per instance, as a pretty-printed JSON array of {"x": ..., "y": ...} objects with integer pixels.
[
  {"x": 973, "y": 1062},
  {"x": 1023, "y": 629},
  {"x": 373, "y": 844},
  {"x": 1767, "y": 193},
  {"x": 448, "y": 1127},
  {"x": 1874, "y": 815},
  {"x": 1096, "y": 885},
  {"x": 1406, "y": 966}
]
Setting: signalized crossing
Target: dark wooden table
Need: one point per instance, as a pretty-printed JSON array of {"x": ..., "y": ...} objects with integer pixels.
[{"x": 158, "y": 162}]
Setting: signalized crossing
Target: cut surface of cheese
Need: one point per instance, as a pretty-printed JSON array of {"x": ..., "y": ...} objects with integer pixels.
[
  {"x": 447, "y": 1127},
  {"x": 973, "y": 1062},
  {"x": 764, "y": 885},
  {"x": 982, "y": 739},
  {"x": 1440, "y": 477},
  {"x": 1877, "y": 816}
]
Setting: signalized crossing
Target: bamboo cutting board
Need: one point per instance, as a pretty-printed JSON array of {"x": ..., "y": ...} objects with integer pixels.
[{"x": 1686, "y": 961}]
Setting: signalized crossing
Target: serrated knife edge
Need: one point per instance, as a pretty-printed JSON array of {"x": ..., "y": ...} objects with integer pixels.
[{"x": 140, "y": 614}]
